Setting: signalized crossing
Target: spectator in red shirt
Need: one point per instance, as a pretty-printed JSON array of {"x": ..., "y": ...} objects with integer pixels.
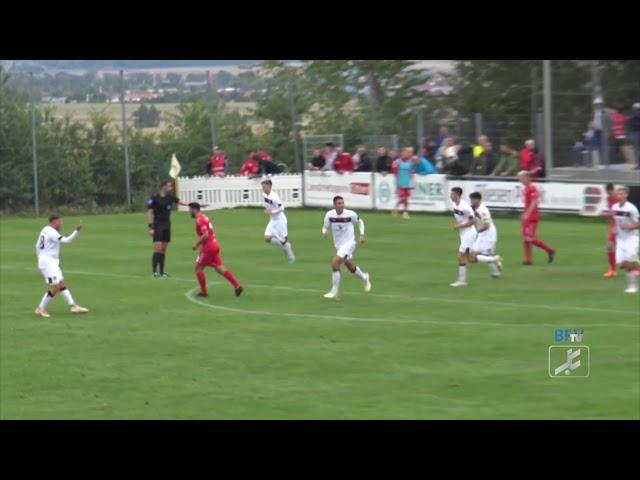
[
  {"x": 531, "y": 160},
  {"x": 251, "y": 167},
  {"x": 263, "y": 154},
  {"x": 218, "y": 164},
  {"x": 344, "y": 161},
  {"x": 618, "y": 134}
]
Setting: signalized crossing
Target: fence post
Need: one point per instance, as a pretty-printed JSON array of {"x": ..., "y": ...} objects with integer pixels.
[
  {"x": 212, "y": 113},
  {"x": 548, "y": 131},
  {"x": 125, "y": 141},
  {"x": 478, "y": 118},
  {"x": 420, "y": 130},
  {"x": 35, "y": 150}
]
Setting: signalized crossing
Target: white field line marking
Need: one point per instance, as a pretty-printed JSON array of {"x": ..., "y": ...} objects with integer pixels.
[
  {"x": 189, "y": 296},
  {"x": 380, "y": 295}
]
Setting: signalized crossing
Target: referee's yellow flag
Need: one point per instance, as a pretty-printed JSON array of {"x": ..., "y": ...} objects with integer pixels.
[{"x": 175, "y": 167}]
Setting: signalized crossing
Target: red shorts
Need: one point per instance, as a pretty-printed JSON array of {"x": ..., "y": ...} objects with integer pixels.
[
  {"x": 209, "y": 258},
  {"x": 529, "y": 228},
  {"x": 404, "y": 193}
]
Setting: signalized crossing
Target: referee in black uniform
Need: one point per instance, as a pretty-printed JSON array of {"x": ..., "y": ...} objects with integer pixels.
[{"x": 159, "y": 220}]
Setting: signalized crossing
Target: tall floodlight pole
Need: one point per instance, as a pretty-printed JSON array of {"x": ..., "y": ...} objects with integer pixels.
[
  {"x": 33, "y": 147},
  {"x": 212, "y": 113},
  {"x": 125, "y": 140},
  {"x": 294, "y": 124},
  {"x": 548, "y": 139}
]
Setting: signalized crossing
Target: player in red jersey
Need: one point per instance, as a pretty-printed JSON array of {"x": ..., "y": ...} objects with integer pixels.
[
  {"x": 210, "y": 252},
  {"x": 611, "y": 232},
  {"x": 530, "y": 218}
]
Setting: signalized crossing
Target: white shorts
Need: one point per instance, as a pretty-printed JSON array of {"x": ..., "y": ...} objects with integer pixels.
[
  {"x": 50, "y": 269},
  {"x": 277, "y": 230},
  {"x": 627, "y": 250},
  {"x": 485, "y": 244},
  {"x": 346, "y": 251},
  {"x": 467, "y": 239}
]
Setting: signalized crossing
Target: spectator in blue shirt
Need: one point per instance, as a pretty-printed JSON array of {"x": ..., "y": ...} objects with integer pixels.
[{"x": 422, "y": 166}]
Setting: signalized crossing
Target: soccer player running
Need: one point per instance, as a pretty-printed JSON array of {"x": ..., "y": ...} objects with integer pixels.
[
  {"x": 484, "y": 246},
  {"x": 48, "y": 253},
  {"x": 404, "y": 174},
  {"x": 209, "y": 252},
  {"x": 341, "y": 221},
  {"x": 464, "y": 224},
  {"x": 612, "y": 199},
  {"x": 627, "y": 221},
  {"x": 276, "y": 232},
  {"x": 159, "y": 220},
  {"x": 530, "y": 219}
]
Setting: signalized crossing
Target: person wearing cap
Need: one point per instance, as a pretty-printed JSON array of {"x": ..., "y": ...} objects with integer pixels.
[{"x": 634, "y": 129}]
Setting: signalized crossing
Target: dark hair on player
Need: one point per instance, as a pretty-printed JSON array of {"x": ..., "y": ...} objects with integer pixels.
[
  {"x": 476, "y": 195},
  {"x": 166, "y": 182},
  {"x": 336, "y": 198},
  {"x": 458, "y": 190},
  {"x": 609, "y": 187},
  {"x": 330, "y": 144},
  {"x": 195, "y": 206},
  {"x": 53, "y": 216},
  {"x": 267, "y": 181}
]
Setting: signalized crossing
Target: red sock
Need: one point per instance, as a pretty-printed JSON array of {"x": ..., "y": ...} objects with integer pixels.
[
  {"x": 232, "y": 280},
  {"x": 542, "y": 245},
  {"x": 527, "y": 252},
  {"x": 202, "y": 280},
  {"x": 612, "y": 260}
]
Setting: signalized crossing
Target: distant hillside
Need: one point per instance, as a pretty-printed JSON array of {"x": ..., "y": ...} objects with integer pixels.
[{"x": 125, "y": 64}]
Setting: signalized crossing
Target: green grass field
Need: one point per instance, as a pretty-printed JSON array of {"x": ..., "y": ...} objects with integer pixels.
[{"x": 412, "y": 348}]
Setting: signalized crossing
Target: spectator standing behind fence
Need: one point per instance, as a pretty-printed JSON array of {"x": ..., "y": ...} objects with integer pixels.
[
  {"x": 601, "y": 123},
  {"x": 508, "y": 163},
  {"x": 343, "y": 162},
  {"x": 267, "y": 167},
  {"x": 422, "y": 166},
  {"x": 362, "y": 161},
  {"x": 452, "y": 164},
  {"x": 432, "y": 148},
  {"x": 263, "y": 154},
  {"x": 618, "y": 136},
  {"x": 634, "y": 128},
  {"x": 218, "y": 165},
  {"x": 329, "y": 156},
  {"x": 479, "y": 148},
  {"x": 442, "y": 136},
  {"x": 318, "y": 161},
  {"x": 250, "y": 167},
  {"x": 383, "y": 162},
  {"x": 485, "y": 163}
]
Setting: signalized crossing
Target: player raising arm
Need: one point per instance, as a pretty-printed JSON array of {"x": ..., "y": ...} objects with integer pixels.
[
  {"x": 210, "y": 252},
  {"x": 341, "y": 222},
  {"x": 48, "y": 253},
  {"x": 627, "y": 221}
]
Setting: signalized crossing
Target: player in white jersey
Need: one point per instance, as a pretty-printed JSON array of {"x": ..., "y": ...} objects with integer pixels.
[
  {"x": 276, "y": 232},
  {"x": 48, "y": 253},
  {"x": 484, "y": 246},
  {"x": 464, "y": 224},
  {"x": 627, "y": 219},
  {"x": 341, "y": 222}
]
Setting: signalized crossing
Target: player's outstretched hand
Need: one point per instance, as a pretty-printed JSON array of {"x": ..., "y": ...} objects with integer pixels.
[
  {"x": 79, "y": 226},
  {"x": 362, "y": 239},
  {"x": 195, "y": 246}
]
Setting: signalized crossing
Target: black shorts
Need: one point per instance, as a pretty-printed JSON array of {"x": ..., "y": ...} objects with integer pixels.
[{"x": 162, "y": 233}]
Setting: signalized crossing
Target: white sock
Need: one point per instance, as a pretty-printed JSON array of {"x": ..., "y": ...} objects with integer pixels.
[
  {"x": 335, "y": 278},
  {"x": 494, "y": 269},
  {"x": 462, "y": 273},
  {"x": 359, "y": 273},
  {"x": 632, "y": 280},
  {"x": 66, "y": 294},
  {"x": 486, "y": 258},
  {"x": 45, "y": 301},
  {"x": 287, "y": 248}
]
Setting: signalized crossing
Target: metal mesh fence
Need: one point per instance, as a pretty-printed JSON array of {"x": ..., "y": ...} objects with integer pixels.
[{"x": 311, "y": 142}]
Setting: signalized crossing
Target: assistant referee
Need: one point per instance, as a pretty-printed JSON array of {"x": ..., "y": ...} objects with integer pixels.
[{"x": 159, "y": 221}]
